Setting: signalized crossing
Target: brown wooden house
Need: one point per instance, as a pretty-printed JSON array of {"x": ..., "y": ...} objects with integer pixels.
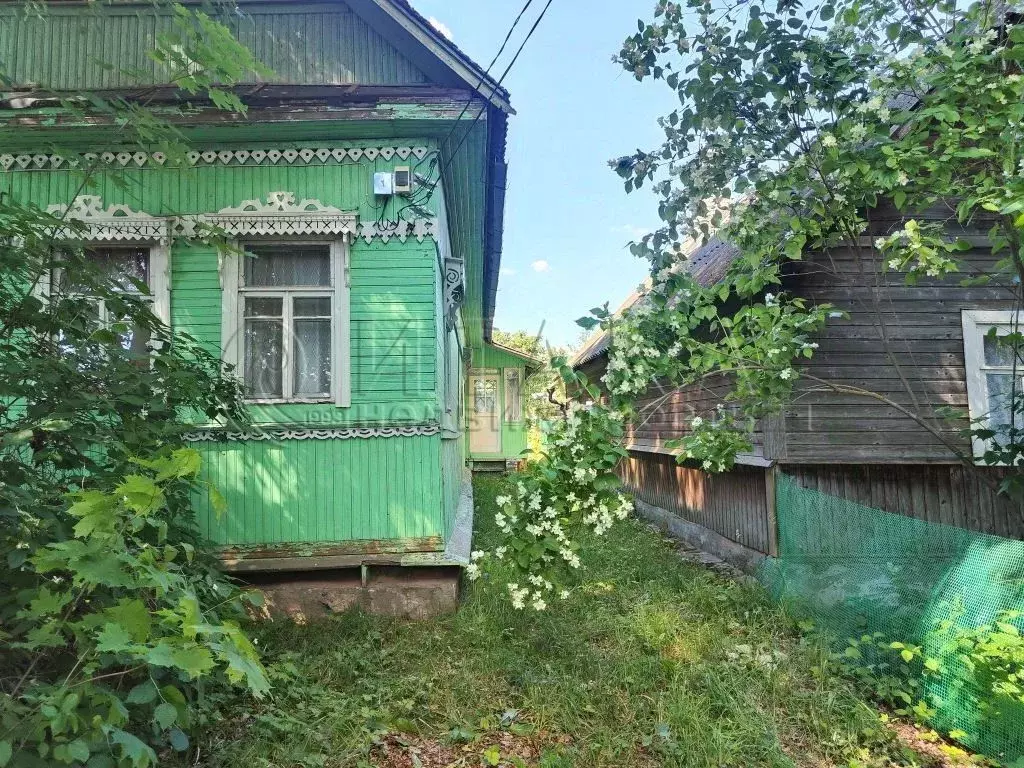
[{"x": 922, "y": 347}]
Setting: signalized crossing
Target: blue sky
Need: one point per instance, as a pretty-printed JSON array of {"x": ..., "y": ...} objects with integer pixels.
[{"x": 576, "y": 109}]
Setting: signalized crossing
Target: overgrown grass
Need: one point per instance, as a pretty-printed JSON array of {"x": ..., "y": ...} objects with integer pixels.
[{"x": 651, "y": 662}]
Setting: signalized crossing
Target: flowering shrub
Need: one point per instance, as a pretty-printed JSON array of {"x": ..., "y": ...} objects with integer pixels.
[
  {"x": 570, "y": 489},
  {"x": 814, "y": 114}
]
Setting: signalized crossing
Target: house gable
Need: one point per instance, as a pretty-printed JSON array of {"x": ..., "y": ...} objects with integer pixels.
[{"x": 324, "y": 43}]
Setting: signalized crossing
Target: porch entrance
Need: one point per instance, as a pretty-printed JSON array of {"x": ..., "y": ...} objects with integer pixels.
[{"x": 484, "y": 414}]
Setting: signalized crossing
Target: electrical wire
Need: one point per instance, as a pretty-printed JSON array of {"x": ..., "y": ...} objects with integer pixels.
[
  {"x": 422, "y": 196},
  {"x": 421, "y": 199}
]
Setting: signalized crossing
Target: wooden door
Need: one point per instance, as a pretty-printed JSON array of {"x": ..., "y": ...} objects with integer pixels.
[{"x": 484, "y": 414}]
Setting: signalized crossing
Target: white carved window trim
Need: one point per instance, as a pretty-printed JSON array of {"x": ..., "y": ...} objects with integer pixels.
[
  {"x": 232, "y": 269},
  {"x": 976, "y": 324},
  {"x": 118, "y": 225},
  {"x": 283, "y": 220},
  {"x": 513, "y": 409}
]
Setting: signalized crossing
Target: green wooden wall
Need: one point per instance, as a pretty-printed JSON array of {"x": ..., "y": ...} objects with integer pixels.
[
  {"x": 295, "y": 492},
  {"x": 321, "y": 491},
  {"x": 513, "y": 434},
  {"x": 64, "y": 47}
]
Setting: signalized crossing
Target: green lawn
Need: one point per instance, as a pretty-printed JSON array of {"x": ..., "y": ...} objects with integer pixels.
[{"x": 653, "y": 661}]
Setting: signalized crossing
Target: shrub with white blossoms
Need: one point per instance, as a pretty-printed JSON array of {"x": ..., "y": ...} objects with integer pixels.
[{"x": 570, "y": 490}]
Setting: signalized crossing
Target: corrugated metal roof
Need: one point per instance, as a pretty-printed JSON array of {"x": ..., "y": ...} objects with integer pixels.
[{"x": 707, "y": 264}]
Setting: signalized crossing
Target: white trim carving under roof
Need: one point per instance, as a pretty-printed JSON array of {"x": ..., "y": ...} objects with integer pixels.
[
  {"x": 338, "y": 433},
  {"x": 279, "y": 216},
  {"x": 260, "y": 156},
  {"x": 116, "y": 222}
]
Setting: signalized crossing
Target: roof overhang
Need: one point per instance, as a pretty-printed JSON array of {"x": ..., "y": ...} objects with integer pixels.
[{"x": 444, "y": 62}]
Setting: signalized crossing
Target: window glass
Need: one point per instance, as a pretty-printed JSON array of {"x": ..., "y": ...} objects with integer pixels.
[
  {"x": 264, "y": 357},
  {"x": 287, "y": 265},
  {"x": 312, "y": 357},
  {"x": 485, "y": 396},
  {"x": 999, "y": 352},
  {"x": 513, "y": 396},
  {"x": 287, "y": 305}
]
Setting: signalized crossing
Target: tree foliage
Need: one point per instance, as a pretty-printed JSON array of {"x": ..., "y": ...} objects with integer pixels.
[
  {"x": 796, "y": 121},
  {"x": 112, "y": 617}
]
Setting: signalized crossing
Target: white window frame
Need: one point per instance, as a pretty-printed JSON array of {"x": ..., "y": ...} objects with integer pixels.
[
  {"x": 158, "y": 270},
  {"x": 976, "y": 324},
  {"x": 232, "y": 269},
  {"x": 510, "y": 417}
]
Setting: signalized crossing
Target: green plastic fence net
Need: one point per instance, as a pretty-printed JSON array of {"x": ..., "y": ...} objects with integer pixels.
[{"x": 856, "y": 570}]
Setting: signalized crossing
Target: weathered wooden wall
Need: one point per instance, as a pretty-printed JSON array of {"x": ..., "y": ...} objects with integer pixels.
[
  {"x": 949, "y": 494},
  {"x": 61, "y": 47},
  {"x": 903, "y": 342},
  {"x": 733, "y": 504}
]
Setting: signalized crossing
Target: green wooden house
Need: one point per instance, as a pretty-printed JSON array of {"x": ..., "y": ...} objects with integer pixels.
[{"x": 366, "y": 183}]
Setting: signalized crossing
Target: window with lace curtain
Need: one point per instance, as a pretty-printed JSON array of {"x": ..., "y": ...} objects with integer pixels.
[{"x": 289, "y": 317}]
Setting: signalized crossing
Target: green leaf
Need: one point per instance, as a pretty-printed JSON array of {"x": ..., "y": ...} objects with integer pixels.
[
  {"x": 113, "y": 639},
  {"x": 78, "y": 750},
  {"x": 178, "y": 739},
  {"x": 217, "y": 501},
  {"x": 143, "y": 693},
  {"x": 133, "y": 616},
  {"x": 5, "y": 753},
  {"x": 133, "y": 749},
  {"x": 907, "y": 655},
  {"x": 141, "y": 494},
  {"x": 165, "y": 715},
  {"x": 492, "y": 755}
]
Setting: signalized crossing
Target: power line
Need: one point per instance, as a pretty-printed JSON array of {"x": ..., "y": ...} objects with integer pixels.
[{"x": 465, "y": 135}]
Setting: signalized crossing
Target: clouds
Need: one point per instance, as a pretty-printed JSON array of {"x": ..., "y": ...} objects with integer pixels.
[
  {"x": 540, "y": 265},
  {"x": 441, "y": 27}
]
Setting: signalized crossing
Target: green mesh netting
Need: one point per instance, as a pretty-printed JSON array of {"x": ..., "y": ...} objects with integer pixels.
[{"x": 856, "y": 570}]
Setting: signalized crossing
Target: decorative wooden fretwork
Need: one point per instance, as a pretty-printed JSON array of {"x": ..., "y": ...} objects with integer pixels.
[
  {"x": 280, "y": 216},
  {"x": 288, "y": 156},
  {"x": 454, "y": 289},
  {"x": 338, "y": 433},
  {"x": 400, "y": 230},
  {"x": 114, "y": 223}
]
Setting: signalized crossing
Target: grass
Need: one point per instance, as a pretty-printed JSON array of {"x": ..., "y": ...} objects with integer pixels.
[{"x": 652, "y": 661}]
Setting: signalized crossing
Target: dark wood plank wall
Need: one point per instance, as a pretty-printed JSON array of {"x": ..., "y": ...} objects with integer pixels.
[
  {"x": 904, "y": 342},
  {"x": 948, "y": 494},
  {"x": 733, "y": 504},
  {"x": 665, "y": 412}
]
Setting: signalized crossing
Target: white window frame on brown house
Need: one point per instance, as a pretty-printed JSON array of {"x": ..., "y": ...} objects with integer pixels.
[{"x": 976, "y": 324}]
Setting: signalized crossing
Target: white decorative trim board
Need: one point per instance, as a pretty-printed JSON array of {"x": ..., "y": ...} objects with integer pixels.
[
  {"x": 287, "y": 156},
  {"x": 115, "y": 222},
  {"x": 339, "y": 433},
  {"x": 279, "y": 216}
]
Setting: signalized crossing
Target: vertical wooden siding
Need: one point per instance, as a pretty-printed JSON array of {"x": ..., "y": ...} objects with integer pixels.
[
  {"x": 732, "y": 504},
  {"x": 394, "y": 285},
  {"x": 452, "y": 464},
  {"x": 317, "y": 491},
  {"x": 947, "y": 494},
  {"x": 63, "y": 48}
]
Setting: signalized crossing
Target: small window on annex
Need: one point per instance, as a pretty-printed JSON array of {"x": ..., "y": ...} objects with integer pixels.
[
  {"x": 513, "y": 395},
  {"x": 292, "y": 343},
  {"x": 994, "y": 362}
]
